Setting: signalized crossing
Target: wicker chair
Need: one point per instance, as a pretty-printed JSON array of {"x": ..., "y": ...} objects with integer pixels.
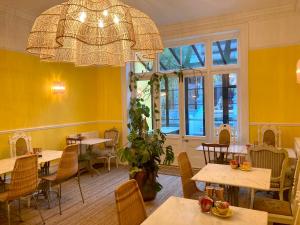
[
  {"x": 189, "y": 186},
  {"x": 109, "y": 152},
  {"x": 215, "y": 153},
  {"x": 264, "y": 156},
  {"x": 24, "y": 182},
  {"x": 68, "y": 168},
  {"x": 130, "y": 205}
]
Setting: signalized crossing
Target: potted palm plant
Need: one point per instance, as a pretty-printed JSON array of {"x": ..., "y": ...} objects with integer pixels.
[{"x": 145, "y": 148}]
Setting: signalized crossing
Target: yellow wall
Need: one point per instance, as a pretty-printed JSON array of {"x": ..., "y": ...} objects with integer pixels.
[
  {"x": 27, "y": 101},
  {"x": 274, "y": 95}
]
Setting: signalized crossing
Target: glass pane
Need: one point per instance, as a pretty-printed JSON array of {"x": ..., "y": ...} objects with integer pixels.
[
  {"x": 225, "y": 100},
  {"x": 225, "y": 52},
  {"x": 194, "y": 106},
  {"x": 144, "y": 91},
  {"x": 169, "y": 105},
  {"x": 142, "y": 66},
  {"x": 193, "y": 56},
  {"x": 169, "y": 59}
]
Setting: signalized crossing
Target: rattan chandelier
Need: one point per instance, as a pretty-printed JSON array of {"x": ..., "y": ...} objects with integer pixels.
[{"x": 94, "y": 32}]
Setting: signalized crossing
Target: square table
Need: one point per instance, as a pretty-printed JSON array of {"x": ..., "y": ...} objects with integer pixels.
[
  {"x": 7, "y": 165},
  {"x": 257, "y": 178},
  {"x": 181, "y": 211}
]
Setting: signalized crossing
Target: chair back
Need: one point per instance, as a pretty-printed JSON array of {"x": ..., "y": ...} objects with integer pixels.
[
  {"x": 112, "y": 134},
  {"x": 20, "y": 144},
  {"x": 297, "y": 217},
  {"x": 224, "y": 134},
  {"x": 296, "y": 187},
  {"x": 215, "y": 153},
  {"x": 188, "y": 185},
  {"x": 130, "y": 205},
  {"x": 269, "y": 135},
  {"x": 268, "y": 157},
  {"x": 68, "y": 165},
  {"x": 24, "y": 178}
]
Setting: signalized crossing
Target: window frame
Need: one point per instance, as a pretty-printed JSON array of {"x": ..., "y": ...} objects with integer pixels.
[{"x": 241, "y": 34}]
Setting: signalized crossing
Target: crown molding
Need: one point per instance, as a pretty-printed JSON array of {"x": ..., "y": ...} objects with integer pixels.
[
  {"x": 204, "y": 25},
  {"x": 275, "y": 124}
]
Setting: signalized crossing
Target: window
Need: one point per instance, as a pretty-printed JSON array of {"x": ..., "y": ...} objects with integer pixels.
[
  {"x": 170, "y": 59},
  {"x": 169, "y": 105},
  {"x": 144, "y": 92},
  {"x": 141, "y": 66},
  {"x": 202, "y": 98},
  {"x": 225, "y": 52},
  {"x": 186, "y": 57},
  {"x": 193, "y": 56},
  {"x": 225, "y": 100},
  {"x": 194, "y": 106}
]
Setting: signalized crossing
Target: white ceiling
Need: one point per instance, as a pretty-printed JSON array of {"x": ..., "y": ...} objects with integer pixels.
[{"x": 164, "y": 12}]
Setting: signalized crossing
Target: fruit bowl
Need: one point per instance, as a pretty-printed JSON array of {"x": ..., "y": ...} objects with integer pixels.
[{"x": 222, "y": 207}]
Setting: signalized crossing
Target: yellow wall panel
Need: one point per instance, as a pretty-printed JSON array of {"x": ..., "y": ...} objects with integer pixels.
[
  {"x": 274, "y": 95},
  {"x": 26, "y": 99}
]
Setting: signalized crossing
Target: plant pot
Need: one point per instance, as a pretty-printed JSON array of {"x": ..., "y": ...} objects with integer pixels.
[{"x": 147, "y": 184}]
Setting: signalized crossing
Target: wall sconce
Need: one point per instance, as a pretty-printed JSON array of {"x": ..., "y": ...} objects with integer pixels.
[
  {"x": 298, "y": 72},
  {"x": 58, "y": 88}
]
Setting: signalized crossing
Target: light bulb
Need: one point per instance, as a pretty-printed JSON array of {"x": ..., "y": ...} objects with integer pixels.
[
  {"x": 116, "y": 19},
  {"x": 105, "y": 13},
  {"x": 101, "y": 23},
  {"x": 82, "y": 17}
]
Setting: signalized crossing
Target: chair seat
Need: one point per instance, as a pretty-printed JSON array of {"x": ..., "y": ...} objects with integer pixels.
[
  {"x": 50, "y": 177},
  {"x": 273, "y": 206}
]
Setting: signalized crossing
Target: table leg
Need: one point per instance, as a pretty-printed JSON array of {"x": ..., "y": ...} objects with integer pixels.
[
  {"x": 91, "y": 169},
  {"x": 252, "y": 198}
]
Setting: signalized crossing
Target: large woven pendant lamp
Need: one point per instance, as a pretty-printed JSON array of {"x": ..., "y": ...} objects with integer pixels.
[{"x": 94, "y": 32}]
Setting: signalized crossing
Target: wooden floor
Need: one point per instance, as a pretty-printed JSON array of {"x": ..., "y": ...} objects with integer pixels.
[{"x": 99, "y": 207}]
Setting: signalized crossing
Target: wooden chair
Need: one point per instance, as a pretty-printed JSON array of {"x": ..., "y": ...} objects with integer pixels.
[
  {"x": 109, "y": 152},
  {"x": 68, "y": 168},
  {"x": 266, "y": 156},
  {"x": 24, "y": 182},
  {"x": 130, "y": 205},
  {"x": 189, "y": 186},
  {"x": 215, "y": 153},
  {"x": 280, "y": 211},
  {"x": 269, "y": 135},
  {"x": 20, "y": 144}
]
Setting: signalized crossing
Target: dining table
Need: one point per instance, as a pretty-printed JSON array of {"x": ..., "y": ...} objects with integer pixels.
[
  {"x": 254, "y": 179},
  {"x": 182, "y": 211},
  {"x": 89, "y": 156},
  {"x": 7, "y": 165}
]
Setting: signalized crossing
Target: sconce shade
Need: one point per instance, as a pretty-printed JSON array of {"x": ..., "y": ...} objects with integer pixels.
[{"x": 58, "y": 88}]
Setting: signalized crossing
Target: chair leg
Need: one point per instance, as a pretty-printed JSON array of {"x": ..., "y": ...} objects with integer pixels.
[
  {"x": 281, "y": 195},
  {"x": 59, "y": 199},
  {"x": 28, "y": 202},
  {"x": 19, "y": 210},
  {"x": 108, "y": 163},
  {"x": 78, "y": 180},
  {"x": 8, "y": 212},
  {"x": 49, "y": 194},
  {"x": 38, "y": 208}
]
